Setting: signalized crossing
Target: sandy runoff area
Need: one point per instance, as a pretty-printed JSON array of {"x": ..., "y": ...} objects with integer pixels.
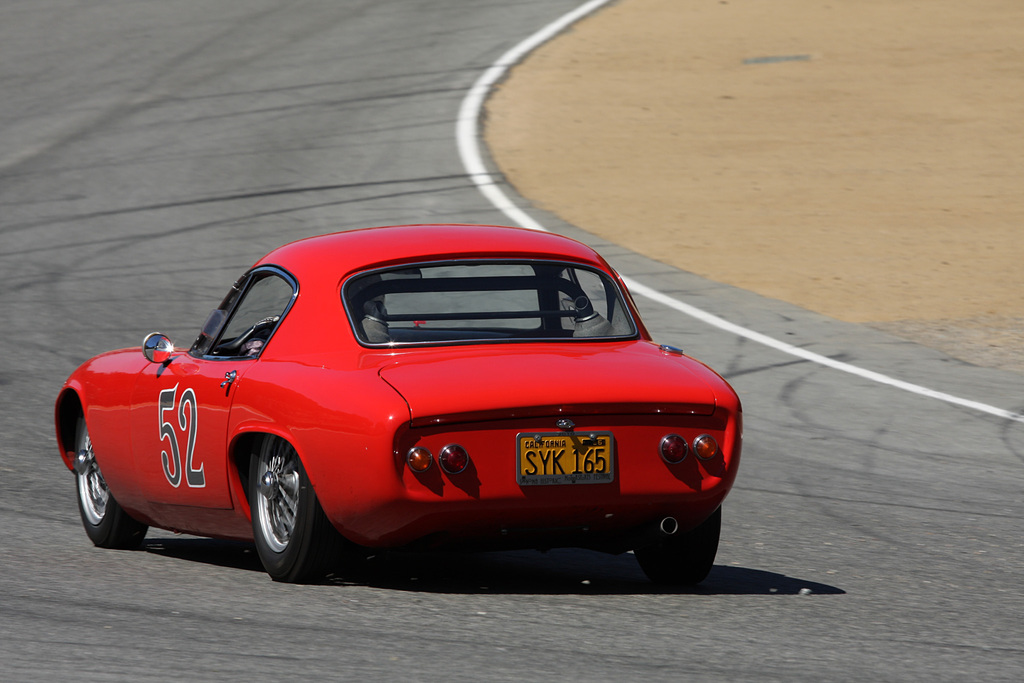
[{"x": 859, "y": 158}]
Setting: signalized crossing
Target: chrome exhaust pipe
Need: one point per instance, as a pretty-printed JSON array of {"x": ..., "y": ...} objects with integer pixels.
[{"x": 654, "y": 532}]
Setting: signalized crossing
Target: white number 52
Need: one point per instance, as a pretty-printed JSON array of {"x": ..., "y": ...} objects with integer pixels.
[{"x": 186, "y": 409}]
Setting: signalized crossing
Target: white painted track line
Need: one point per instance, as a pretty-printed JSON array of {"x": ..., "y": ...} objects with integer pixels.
[{"x": 467, "y": 136}]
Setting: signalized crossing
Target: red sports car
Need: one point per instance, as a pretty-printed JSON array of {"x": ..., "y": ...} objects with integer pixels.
[{"x": 422, "y": 386}]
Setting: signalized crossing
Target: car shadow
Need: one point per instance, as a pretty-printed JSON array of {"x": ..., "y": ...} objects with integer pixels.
[
  {"x": 563, "y": 571},
  {"x": 566, "y": 571},
  {"x": 210, "y": 551}
]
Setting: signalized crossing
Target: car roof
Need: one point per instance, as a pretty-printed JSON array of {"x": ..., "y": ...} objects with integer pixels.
[
  {"x": 321, "y": 264},
  {"x": 343, "y": 253}
]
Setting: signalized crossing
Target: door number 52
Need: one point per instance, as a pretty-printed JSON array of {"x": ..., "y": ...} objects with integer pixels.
[{"x": 186, "y": 411}]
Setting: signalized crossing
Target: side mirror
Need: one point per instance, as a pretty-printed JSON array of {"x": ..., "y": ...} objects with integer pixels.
[{"x": 157, "y": 348}]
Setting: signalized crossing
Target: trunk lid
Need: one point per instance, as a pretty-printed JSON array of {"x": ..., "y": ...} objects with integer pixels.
[{"x": 492, "y": 381}]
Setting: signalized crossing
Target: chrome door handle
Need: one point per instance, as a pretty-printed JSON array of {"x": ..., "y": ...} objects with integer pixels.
[{"x": 229, "y": 378}]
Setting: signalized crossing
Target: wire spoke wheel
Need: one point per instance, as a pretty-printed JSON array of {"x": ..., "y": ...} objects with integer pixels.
[
  {"x": 93, "y": 493},
  {"x": 277, "y": 502},
  {"x": 294, "y": 539},
  {"x": 106, "y": 523}
]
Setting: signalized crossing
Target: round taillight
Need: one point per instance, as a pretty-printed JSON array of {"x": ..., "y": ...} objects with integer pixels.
[
  {"x": 419, "y": 459},
  {"x": 453, "y": 458},
  {"x": 674, "y": 449},
  {"x": 705, "y": 446}
]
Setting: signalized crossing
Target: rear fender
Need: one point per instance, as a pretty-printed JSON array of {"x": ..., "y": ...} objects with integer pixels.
[
  {"x": 341, "y": 424},
  {"x": 243, "y": 444}
]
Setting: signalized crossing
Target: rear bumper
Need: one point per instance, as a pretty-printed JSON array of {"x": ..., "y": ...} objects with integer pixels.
[
  {"x": 485, "y": 507},
  {"x": 617, "y": 526}
]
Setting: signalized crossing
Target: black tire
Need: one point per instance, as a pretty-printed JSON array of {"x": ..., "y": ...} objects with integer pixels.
[
  {"x": 105, "y": 521},
  {"x": 294, "y": 539},
  {"x": 683, "y": 559}
]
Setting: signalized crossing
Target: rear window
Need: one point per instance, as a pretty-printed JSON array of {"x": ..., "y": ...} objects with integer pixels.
[{"x": 444, "y": 303}]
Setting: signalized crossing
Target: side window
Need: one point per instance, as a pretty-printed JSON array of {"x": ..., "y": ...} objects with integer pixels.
[{"x": 253, "y": 312}]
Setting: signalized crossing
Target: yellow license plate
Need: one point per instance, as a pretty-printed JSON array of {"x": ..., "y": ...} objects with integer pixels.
[{"x": 565, "y": 458}]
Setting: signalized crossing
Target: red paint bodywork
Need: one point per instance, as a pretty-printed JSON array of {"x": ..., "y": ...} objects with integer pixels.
[{"x": 352, "y": 412}]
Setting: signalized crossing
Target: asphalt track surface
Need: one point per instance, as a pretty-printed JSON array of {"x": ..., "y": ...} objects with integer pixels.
[{"x": 150, "y": 152}]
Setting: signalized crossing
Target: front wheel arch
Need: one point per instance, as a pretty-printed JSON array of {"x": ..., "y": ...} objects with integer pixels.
[{"x": 69, "y": 410}]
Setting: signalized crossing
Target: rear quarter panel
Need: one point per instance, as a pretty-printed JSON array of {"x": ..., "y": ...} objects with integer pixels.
[{"x": 341, "y": 423}]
